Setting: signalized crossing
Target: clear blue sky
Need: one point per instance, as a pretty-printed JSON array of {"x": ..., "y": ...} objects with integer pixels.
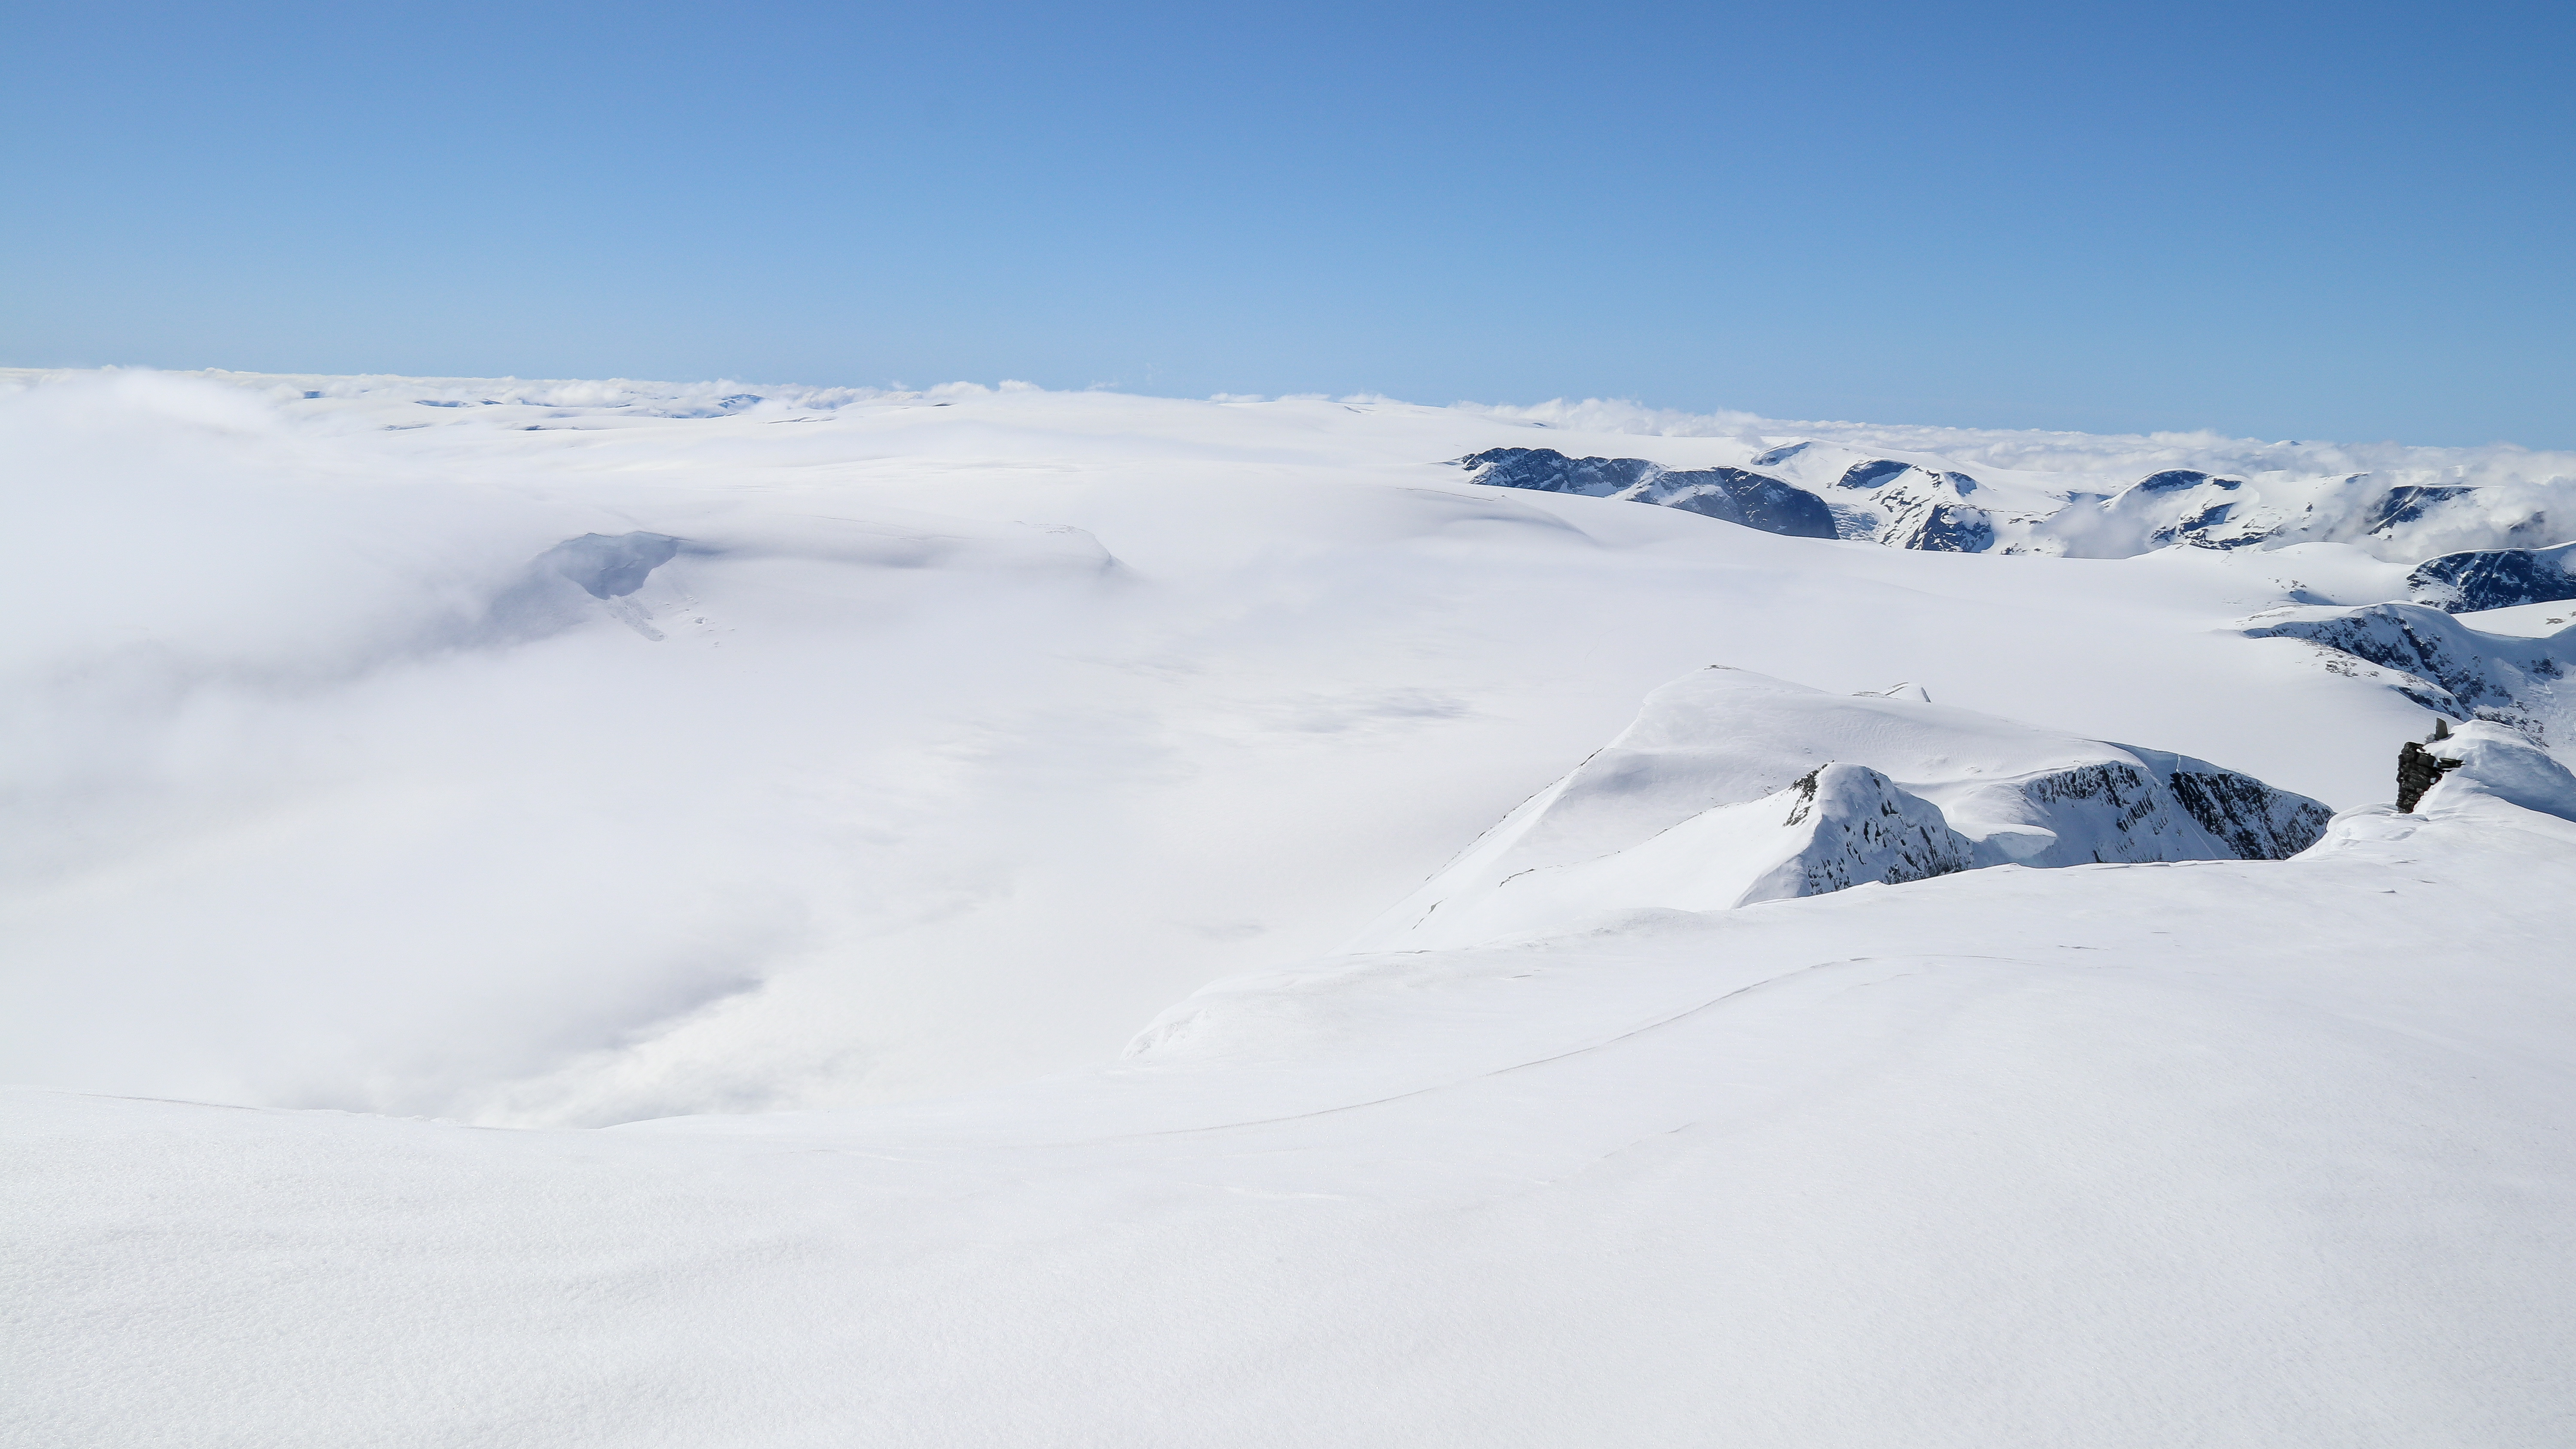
[{"x": 2347, "y": 221}]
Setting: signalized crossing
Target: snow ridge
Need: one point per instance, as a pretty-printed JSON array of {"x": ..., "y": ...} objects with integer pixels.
[
  {"x": 1712, "y": 800},
  {"x": 2442, "y": 664},
  {"x": 1926, "y": 503}
]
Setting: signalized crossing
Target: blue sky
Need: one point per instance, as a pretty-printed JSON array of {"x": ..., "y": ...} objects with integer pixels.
[{"x": 2293, "y": 221}]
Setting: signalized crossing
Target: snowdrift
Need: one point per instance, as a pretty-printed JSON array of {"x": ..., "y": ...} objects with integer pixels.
[{"x": 2490, "y": 762}]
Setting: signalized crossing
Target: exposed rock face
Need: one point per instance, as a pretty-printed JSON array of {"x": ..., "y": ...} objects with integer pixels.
[
  {"x": 2253, "y": 819},
  {"x": 2121, "y": 797},
  {"x": 1943, "y": 528},
  {"x": 2147, "y": 806},
  {"x": 2495, "y": 578},
  {"x": 2407, "y": 505},
  {"x": 1550, "y": 471},
  {"x": 1863, "y": 829},
  {"x": 1872, "y": 473},
  {"x": 2442, "y": 664},
  {"x": 2402, "y": 516},
  {"x": 2177, "y": 480},
  {"x": 1752, "y": 499},
  {"x": 610, "y": 565},
  {"x": 1731, "y": 788},
  {"x": 1733, "y": 495}
]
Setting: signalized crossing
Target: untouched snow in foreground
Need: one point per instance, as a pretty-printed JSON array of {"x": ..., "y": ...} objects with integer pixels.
[
  {"x": 2247, "y": 1153},
  {"x": 846, "y": 780}
]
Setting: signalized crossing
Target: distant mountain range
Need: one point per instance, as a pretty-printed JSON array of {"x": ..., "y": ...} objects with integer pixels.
[{"x": 2481, "y": 546}]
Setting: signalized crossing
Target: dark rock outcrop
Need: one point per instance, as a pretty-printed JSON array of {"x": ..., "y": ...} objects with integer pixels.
[
  {"x": 1756, "y": 500},
  {"x": 2438, "y": 663},
  {"x": 2175, "y": 480},
  {"x": 610, "y": 565},
  {"x": 1550, "y": 471},
  {"x": 2251, "y": 818},
  {"x": 2417, "y": 770},
  {"x": 2496, "y": 578},
  {"x": 1872, "y": 473},
  {"x": 1732, "y": 495},
  {"x": 2406, "y": 505},
  {"x": 1867, "y": 830},
  {"x": 1945, "y": 528}
]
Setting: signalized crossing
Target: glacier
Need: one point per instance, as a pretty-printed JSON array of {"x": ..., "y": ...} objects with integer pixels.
[{"x": 613, "y": 912}]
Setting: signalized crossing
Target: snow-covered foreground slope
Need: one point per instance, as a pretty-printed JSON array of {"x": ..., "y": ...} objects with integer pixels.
[{"x": 2233, "y": 1153}]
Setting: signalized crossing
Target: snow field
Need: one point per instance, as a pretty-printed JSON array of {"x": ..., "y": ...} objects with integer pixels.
[{"x": 936, "y": 861}]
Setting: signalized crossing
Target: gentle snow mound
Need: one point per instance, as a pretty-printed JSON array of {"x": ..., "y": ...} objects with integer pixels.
[
  {"x": 1732, "y": 788},
  {"x": 2498, "y": 763}
]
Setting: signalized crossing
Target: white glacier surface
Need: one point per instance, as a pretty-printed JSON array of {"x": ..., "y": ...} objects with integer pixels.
[{"x": 622, "y": 914}]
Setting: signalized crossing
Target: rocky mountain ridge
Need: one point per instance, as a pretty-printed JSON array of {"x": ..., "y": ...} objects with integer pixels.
[{"x": 2482, "y": 546}]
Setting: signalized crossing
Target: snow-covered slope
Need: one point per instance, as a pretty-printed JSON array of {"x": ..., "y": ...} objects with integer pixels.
[
  {"x": 2259, "y": 1153},
  {"x": 956, "y": 733},
  {"x": 1732, "y": 788},
  {"x": 2486, "y": 531},
  {"x": 2454, "y": 670},
  {"x": 2477, "y": 581},
  {"x": 844, "y": 780}
]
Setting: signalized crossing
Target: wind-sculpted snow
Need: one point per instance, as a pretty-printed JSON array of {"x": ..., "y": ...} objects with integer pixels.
[
  {"x": 1682, "y": 810},
  {"x": 2493, "y": 762},
  {"x": 2436, "y": 661}
]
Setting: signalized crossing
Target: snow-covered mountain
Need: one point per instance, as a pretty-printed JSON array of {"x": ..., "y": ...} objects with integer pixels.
[
  {"x": 2479, "y": 541},
  {"x": 646, "y": 914}
]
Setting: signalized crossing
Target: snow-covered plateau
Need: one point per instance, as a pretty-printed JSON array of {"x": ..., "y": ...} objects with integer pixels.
[{"x": 625, "y": 914}]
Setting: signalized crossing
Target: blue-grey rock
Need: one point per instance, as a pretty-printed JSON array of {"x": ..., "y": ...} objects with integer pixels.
[
  {"x": 1732, "y": 495},
  {"x": 1949, "y": 528},
  {"x": 2175, "y": 480},
  {"x": 2495, "y": 578},
  {"x": 610, "y": 565},
  {"x": 1872, "y": 473},
  {"x": 2406, "y": 505}
]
